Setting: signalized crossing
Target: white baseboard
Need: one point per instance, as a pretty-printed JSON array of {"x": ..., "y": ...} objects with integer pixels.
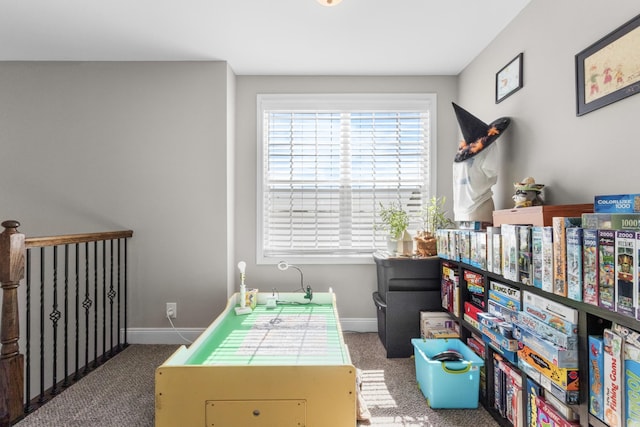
[
  {"x": 362, "y": 324},
  {"x": 171, "y": 336}
]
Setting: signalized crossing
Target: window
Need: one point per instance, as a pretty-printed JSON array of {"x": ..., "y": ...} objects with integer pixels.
[{"x": 326, "y": 162}]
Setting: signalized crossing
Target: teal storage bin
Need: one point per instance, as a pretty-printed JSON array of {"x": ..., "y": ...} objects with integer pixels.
[{"x": 447, "y": 384}]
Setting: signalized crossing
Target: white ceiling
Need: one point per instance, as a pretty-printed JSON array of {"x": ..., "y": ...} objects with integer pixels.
[{"x": 260, "y": 37}]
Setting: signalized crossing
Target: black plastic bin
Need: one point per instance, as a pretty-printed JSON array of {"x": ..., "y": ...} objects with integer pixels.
[
  {"x": 405, "y": 288},
  {"x": 407, "y": 274}
]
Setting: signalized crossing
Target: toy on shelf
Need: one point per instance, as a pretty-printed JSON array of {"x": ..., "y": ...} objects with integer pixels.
[{"x": 527, "y": 193}]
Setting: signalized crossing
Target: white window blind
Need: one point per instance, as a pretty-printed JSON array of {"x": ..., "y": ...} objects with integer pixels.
[{"x": 326, "y": 162}]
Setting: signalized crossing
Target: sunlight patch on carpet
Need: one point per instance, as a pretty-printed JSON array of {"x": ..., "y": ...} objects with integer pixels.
[
  {"x": 375, "y": 391},
  {"x": 402, "y": 421}
]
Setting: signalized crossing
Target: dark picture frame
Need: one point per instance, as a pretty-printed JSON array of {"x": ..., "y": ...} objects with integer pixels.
[
  {"x": 605, "y": 71},
  {"x": 509, "y": 78}
]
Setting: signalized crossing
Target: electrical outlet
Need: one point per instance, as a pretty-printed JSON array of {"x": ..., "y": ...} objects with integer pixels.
[{"x": 172, "y": 310}]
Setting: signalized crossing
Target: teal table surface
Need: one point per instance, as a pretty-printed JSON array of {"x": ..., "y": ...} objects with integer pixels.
[{"x": 290, "y": 334}]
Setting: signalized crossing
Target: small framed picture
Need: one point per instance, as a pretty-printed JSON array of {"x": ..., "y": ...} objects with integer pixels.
[{"x": 509, "y": 78}]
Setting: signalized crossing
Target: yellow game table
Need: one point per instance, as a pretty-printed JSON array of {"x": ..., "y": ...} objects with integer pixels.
[{"x": 275, "y": 367}]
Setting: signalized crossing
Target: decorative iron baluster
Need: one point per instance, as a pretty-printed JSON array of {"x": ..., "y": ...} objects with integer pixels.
[
  {"x": 111, "y": 295},
  {"x": 55, "y": 316},
  {"x": 119, "y": 293},
  {"x": 86, "y": 304},
  {"x": 95, "y": 311}
]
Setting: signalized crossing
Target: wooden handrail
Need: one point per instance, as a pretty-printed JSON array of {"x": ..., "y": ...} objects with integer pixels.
[{"x": 68, "y": 239}]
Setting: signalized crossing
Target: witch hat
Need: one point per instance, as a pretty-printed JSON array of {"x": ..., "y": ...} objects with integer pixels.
[{"x": 477, "y": 134}]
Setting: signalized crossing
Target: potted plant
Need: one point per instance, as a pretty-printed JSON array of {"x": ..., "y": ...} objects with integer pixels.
[
  {"x": 395, "y": 222},
  {"x": 434, "y": 217}
]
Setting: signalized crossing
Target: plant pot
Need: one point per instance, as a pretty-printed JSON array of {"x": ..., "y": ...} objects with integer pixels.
[
  {"x": 426, "y": 244},
  {"x": 392, "y": 245}
]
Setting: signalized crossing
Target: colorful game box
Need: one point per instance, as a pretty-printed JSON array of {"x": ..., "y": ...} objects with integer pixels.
[
  {"x": 632, "y": 385},
  {"x": 549, "y": 417},
  {"x": 504, "y": 295},
  {"x": 553, "y": 313},
  {"x": 606, "y": 269},
  {"x": 596, "y": 376},
  {"x": 561, "y": 357},
  {"x": 547, "y": 258},
  {"x": 496, "y": 246},
  {"x": 532, "y": 390},
  {"x": 611, "y": 221},
  {"x": 524, "y": 255},
  {"x": 613, "y": 378},
  {"x": 565, "y": 378},
  {"x": 625, "y": 273},
  {"x": 509, "y": 252},
  {"x": 491, "y": 231},
  {"x": 590, "y": 266},
  {"x": 536, "y": 256},
  {"x": 547, "y": 332},
  {"x": 560, "y": 225},
  {"x": 617, "y": 203},
  {"x": 574, "y": 263},
  {"x": 567, "y": 396}
]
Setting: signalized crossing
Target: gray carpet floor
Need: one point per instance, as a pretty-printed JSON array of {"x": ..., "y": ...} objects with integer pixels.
[{"x": 120, "y": 393}]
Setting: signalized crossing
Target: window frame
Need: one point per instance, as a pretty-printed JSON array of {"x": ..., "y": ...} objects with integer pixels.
[{"x": 333, "y": 101}]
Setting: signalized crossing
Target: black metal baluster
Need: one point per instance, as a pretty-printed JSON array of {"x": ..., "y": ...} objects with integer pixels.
[
  {"x": 111, "y": 295},
  {"x": 126, "y": 343},
  {"x": 104, "y": 300},
  {"x": 66, "y": 316},
  {"x": 86, "y": 304},
  {"x": 77, "y": 326},
  {"x": 118, "y": 305},
  {"x": 54, "y": 316},
  {"x": 42, "y": 398},
  {"x": 95, "y": 311},
  {"x": 27, "y": 405}
]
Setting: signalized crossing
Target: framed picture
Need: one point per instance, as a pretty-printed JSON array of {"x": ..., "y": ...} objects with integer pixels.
[
  {"x": 609, "y": 70},
  {"x": 509, "y": 78}
]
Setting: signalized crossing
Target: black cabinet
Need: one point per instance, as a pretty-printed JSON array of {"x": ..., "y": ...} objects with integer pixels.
[{"x": 406, "y": 286}]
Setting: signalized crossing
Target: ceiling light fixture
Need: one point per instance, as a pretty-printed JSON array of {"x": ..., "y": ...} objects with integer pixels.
[{"x": 329, "y": 2}]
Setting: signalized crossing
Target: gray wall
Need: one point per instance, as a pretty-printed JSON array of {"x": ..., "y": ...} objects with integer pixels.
[
  {"x": 108, "y": 146},
  {"x": 575, "y": 157}
]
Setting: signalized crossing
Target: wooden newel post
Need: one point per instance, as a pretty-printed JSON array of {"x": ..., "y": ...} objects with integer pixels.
[{"x": 12, "y": 267}]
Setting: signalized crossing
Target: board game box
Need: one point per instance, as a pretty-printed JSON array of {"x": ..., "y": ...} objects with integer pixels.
[
  {"x": 590, "y": 266},
  {"x": 574, "y": 263},
  {"x": 613, "y": 378},
  {"x": 606, "y": 269},
  {"x": 560, "y": 225},
  {"x": 626, "y": 275},
  {"x": 617, "y": 203},
  {"x": 632, "y": 385},
  {"x": 547, "y": 258},
  {"x": 524, "y": 255},
  {"x": 596, "y": 376},
  {"x": 611, "y": 221}
]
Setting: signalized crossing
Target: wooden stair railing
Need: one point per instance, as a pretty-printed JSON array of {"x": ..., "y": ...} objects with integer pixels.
[{"x": 14, "y": 261}]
